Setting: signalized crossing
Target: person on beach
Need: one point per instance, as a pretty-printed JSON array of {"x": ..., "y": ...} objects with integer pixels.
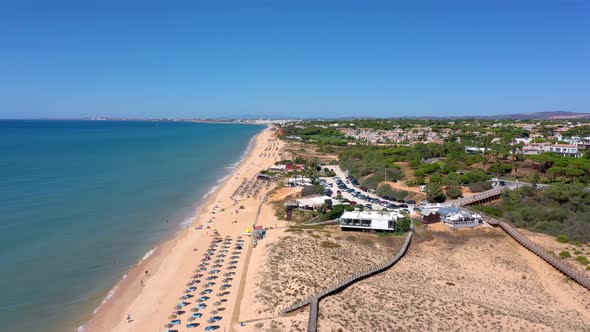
[{"x": 128, "y": 318}]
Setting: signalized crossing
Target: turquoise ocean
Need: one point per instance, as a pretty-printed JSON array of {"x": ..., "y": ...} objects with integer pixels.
[{"x": 82, "y": 201}]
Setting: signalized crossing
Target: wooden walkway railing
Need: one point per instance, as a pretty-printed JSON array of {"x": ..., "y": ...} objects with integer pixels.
[
  {"x": 479, "y": 197},
  {"x": 345, "y": 282},
  {"x": 549, "y": 258},
  {"x": 314, "y": 310},
  {"x": 556, "y": 262}
]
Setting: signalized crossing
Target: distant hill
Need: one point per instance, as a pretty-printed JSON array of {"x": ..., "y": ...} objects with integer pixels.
[
  {"x": 555, "y": 115},
  {"x": 540, "y": 115}
]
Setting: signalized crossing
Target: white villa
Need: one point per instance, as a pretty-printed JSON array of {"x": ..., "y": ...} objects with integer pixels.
[
  {"x": 564, "y": 150},
  {"x": 370, "y": 220},
  {"x": 458, "y": 218}
]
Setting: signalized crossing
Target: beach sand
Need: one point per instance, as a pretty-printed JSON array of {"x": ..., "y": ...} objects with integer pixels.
[{"x": 166, "y": 273}]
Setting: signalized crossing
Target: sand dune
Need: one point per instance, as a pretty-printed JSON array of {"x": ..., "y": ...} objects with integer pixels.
[{"x": 467, "y": 280}]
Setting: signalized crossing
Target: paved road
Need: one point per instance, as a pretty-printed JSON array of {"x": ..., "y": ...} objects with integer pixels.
[{"x": 342, "y": 175}]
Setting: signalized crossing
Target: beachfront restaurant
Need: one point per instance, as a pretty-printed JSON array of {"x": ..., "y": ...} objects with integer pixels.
[
  {"x": 458, "y": 218},
  {"x": 369, "y": 220}
]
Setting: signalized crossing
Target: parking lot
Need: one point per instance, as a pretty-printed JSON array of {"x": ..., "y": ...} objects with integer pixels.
[{"x": 351, "y": 190}]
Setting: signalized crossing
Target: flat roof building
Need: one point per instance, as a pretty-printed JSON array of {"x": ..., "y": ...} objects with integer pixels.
[{"x": 370, "y": 220}]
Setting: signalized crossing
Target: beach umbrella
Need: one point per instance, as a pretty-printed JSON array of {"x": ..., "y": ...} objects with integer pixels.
[
  {"x": 213, "y": 312},
  {"x": 190, "y": 319},
  {"x": 177, "y": 307},
  {"x": 172, "y": 317},
  {"x": 217, "y": 303},
  {"x": 221, "y": 309},
  {"x": 168, "y": 326},
  {"x": 194, "y": 310}
]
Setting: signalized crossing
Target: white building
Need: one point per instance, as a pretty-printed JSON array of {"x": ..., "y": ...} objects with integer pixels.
[
  {"x": 564, "y": 150},
  {"x": 370, "y": 220},
  {"x": 277, "y": 168},
  {"x": 457, "y": 218},
  {"x": 316, "y": 201},
  {"x": 298, "y": 182}
]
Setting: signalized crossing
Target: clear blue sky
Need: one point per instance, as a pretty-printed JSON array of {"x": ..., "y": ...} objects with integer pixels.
[{"x": 292, "y": 58}]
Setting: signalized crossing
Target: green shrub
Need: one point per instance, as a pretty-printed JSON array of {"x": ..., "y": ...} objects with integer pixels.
[
  {"x": 454, "y": 193},
  {"x": 387, "y": 190},
  {"x": 562, "y": 238},
  {"x": 582, "y": 260},
  {"x": 577, "y": 252},
  {"x": 480, "y": 186},
  {"x": 489, "y": 209},
  {"x": 434, "y": 193},
  {"x": 565, "y": 254},
  {"x": 402, "y": 225},
  {"x": 501, "y": 168}
]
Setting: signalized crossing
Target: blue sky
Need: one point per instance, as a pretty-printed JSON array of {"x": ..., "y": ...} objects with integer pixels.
[{"x": 292, "y": 58}]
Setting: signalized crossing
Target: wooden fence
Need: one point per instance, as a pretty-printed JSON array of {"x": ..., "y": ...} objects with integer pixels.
[
  {"x": 345, "y": 282},
  {"x": 555, "y": 261},
  {"x": 479, "y": 197},
  {"x": 569, "y": 271}
]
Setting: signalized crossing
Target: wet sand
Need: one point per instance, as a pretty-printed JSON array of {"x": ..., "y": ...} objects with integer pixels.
[{"x": 150, "y": 298}]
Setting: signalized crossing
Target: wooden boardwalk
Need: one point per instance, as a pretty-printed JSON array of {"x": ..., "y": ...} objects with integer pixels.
[
  {"x": 314, "y": 298},
  {"x": 483, "y": 197},
  {"x": 555, "y": 261}
]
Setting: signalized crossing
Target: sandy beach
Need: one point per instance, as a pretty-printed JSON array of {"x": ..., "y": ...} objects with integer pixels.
[
  {"x": 153, "y": 288},
  {"x": 473, "y": 279}
]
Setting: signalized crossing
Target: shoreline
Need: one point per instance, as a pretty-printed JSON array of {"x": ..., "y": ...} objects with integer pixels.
[
  {"x": 113, "y": 306},
  {"x": 186, "y": 222}
]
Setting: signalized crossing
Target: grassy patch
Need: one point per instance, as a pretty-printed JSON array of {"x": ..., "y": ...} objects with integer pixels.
[
  {"x": 565, "y": 254},
  {"x": 312, "y": 226},
  {"x": 294, "y": 230},
  {"x": 582, "y": 260},
  {"x": 390, "y": 234},
  {"x": 562, "y": 238},
  {"x": 367, "y": 242}
]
